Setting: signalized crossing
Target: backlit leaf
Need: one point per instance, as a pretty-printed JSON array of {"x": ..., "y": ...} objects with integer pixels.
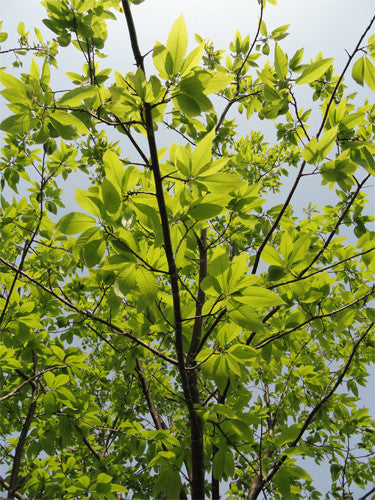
[
  {"x": 259, "y": 297},
  {"x": 75, "y": 222},
  {"x": 314, "y": 71},
  {"x": 177, "y": 44}
]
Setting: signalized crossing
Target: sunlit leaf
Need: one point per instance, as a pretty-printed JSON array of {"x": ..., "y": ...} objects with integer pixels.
[
  {"x": 75, "y": 222},
  {"x": 314, "y": 71}
]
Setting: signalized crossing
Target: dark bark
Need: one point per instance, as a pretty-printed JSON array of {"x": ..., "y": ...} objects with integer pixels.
[
  {"x": 22, "y": 438},
  {"x": 189, "y": 383}
]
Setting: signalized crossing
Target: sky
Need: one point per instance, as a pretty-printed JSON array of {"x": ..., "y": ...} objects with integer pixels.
[{"x": 328, "y": 26}]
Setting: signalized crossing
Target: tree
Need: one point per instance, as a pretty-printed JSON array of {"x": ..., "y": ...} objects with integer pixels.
[{"x": 174, "y": 335}]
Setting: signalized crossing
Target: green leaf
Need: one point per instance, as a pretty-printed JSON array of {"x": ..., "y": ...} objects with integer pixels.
[
  {"x": 60, "y": 380},
  {"x": 67, "y": 125},
  {"x": 76, "y": 96},
  {"x": 216, "y": 82},
  {"x": 45, "y": 76},
  {"x": 111, "y": 197},
  {"x": 202, "y": 153},
  {"x": 241, "y": 315},
  {"x": 281, "y": 62},
  {"x": 92, "y": 252},
  {"x": 300, "y": 248},
  {"x": 187, "y": 105},
  {"x": 114, "y": 168},
  {"x": 11, "y": 82},
  {"x": 296, "y": 59},
  {"x": 272, "y": 256},
  {"x": 126, "y": 280},
  {"x": 259, "y": 297},
  {"x": 222, "y": 182},
  {"x": 103, "y": 478},
  {"x": 358, "y": 71},
  {"x": 177, "y": 44},
  {"x": 369, "y": 73},
  {"x": 282, "y": 480},
  {"x": 75, "y": 222},
  {"x": 210, "y": 206},
  {"x": 18, "y": 124},
  {"x": 242, "y": 352},
  {"x": 335, "y": 471},
  {"x": 314, "y": 71},
  {"x": 21, "y": 29},
  {"x": 192, "y": 60},
  {"x": 309, "y": 152},
  {"x": 288, "y": 434},
  {"x": 276, "y": 273},
  {"x": 88, "y": 201},
  {"x": 280, "y": 32},
  {"x": 223, "y": 464},
  {"x": 34, "y": 71},
  {"x": 159, "y": 57},
  {"x": 222, "y": 370},
  {"x": 147, "y": 282},
  {"x": 326, "y": 143}
]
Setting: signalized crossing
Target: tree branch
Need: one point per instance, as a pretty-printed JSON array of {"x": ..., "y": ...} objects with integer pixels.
[
  {"x": 195, "y": 421},
  {"x": 300, "y": 278},
  {"x": 299, "y": 175},
  {"x": 321, "y": 403},
  {"x": 337, "y": 225},
  {"x": 351, "y": 56},
  {"x": 158, "y": 421},
  {"x": 5, "y": 485},
  {"x": 197, "y": 328},
  {"x": 29, "y": 380},
  {"x": 89, "y": 315},
  {"x": 23, "y": 435},
  {"x": 235, "y": 97},
  {"x": 276, "y": 336}
]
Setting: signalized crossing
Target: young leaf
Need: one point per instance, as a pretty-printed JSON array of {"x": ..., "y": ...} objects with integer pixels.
[
  {"x": 281, "y": 62},
  {"x": 326, "y": 143},
  {"x": 314, "y": 71},
  {"x": 111, "y": 197},
  {"x": 202, "y": 154},
  {"x": 75, "y": 222},
  {"x": 114, "y": 168},
  {"x": 208, "y": 207},
  {"x": 358, "y": 71},
  {"x": 192, "y": 60},
  {"x": 272, "y": 257},
  {"x": 76, "y": 96},
  {"x": 369, "y": 73},
  {"x": 257, "y": 296},
  {"x": 177, "y": 44},
  {"x": 88, "y": 201},
  {"x": 159, "y": 56}
]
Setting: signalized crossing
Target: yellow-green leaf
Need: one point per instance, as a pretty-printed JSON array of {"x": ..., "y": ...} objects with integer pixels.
[
  {"x": 76, "y": 96},
  {"x": 177, "y": 44},
  {"x": 75, "y": 222},
  {"x": 281, "y": 62},
  {"x": 111, "y": 196},
  {"x": 358, "y": 71},
  {"x": 314, "y": 71},
  {"x": 369, "y": 73},
  {"x": 114, "y": 168},
  {"x": 192, "y": 60},
  {"x": 257, "y": 296},
  {"x": 202, "y": 153}
]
